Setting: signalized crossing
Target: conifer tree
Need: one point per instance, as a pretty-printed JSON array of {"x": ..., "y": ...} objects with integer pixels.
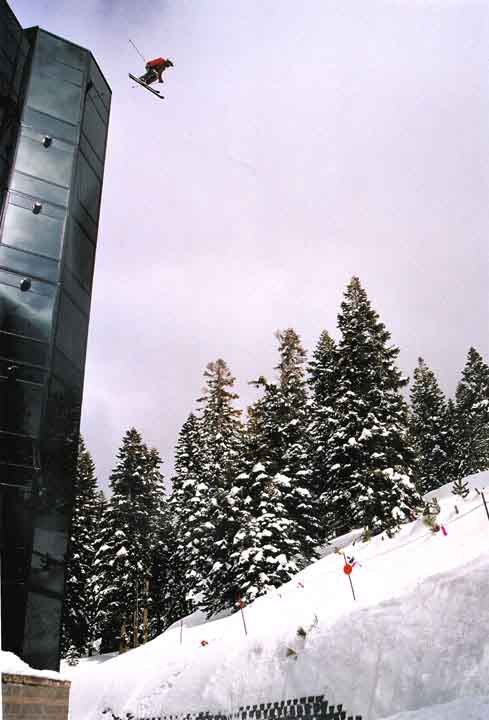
[
  {"x": 266, "y": 551},
  {"x": 430, "y": 431},
  {"x": 168, "y": 587},
  {"x": 472, "y": 417},
  {"x": 79, "y": 602},
  {"x": 101, "y": 505},
  {"x": 221, "y": 426},
  {"x": 222, "y": 435},
  {"x": 293, "y": 416},
  {"x": 451, "y": 439},
  {"x": 166, "y": 598},
  {"x": 188, "y": 452},
  {"x": 369, "y": 456},
  {"x": 155, "y": 582},
  {"x": 72, "y": 655},
  {"x": 208, "y": 457},
  {"x": 286, "y": 420},
  {"x": 272, "y": 499},
  {"x": 323, "y": 371},
  {"x": 188, "y": 509},
  {"x": 323, "y": 377},
  {"x": 460, "y": 488},
  {"x": 124, "y": 557}
]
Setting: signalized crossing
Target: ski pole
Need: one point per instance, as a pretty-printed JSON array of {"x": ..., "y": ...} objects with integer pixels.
[{"x": 139, "y": 53}]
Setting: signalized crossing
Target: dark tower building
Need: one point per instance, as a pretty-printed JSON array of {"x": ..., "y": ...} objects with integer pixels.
[{"x": 54, "y": 114}]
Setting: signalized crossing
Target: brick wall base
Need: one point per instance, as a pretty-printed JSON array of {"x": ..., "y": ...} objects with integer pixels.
[{"x": 26, "y": 697}]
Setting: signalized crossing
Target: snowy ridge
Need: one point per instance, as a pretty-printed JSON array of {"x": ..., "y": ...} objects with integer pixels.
[{"x": 413, "y": 646}]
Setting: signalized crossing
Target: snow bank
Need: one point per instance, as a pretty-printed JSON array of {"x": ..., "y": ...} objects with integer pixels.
[
  {"x": 414, "y": 638},
  {"x": 69, "y": 670},
  {"x": 197, "y": 618},
  {"x": 10, "y": 663},
  {"x": 479, "y": 481},
  {"x": 469, "y": 708}
]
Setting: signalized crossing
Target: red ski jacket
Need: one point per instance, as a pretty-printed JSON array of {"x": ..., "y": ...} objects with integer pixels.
[{"x": 155, "y": 63}]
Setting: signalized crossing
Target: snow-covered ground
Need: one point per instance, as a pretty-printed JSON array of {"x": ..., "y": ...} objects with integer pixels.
[
  {"x": 414, "y": 644},
  {"x": 10, "y": 663}
]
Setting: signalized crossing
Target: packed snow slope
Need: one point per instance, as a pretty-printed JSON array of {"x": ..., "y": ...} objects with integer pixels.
[{"x": 413, "y": 645}]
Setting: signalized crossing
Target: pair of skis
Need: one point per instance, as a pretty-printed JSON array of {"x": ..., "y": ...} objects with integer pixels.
[{"x": 140, "y": 82}]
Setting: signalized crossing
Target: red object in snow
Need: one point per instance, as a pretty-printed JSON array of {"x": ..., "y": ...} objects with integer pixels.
[
  {"x": 443, "y": 530},
  {"x": 204, "y": 643},
  {"x": 347, "y": 568}
]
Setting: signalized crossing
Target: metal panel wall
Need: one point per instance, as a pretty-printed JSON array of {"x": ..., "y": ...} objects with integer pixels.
[{"x": 48, "y": 236}]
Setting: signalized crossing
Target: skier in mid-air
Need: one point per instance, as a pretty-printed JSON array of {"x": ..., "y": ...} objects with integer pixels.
[{"x": 154, "y": 70}]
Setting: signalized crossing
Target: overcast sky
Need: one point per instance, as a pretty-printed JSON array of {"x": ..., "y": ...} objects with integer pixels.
[{"x": 299, "y": 144}]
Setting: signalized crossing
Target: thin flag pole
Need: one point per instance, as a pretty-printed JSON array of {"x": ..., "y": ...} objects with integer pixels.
[
  {"x": 351, "y": 585},
  {"x": 349, "y": 577},
  {"x": 485, "y": 505},
  {"x": 242, "y": 613}
]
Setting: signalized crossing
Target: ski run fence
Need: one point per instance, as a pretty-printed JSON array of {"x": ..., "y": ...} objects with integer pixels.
[{"x": 309, "y": 708}]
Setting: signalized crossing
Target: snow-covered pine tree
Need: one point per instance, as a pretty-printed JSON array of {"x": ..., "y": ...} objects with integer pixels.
[
  {"x": 472, "y": 417},
  {"x": 460, "y": 488},
  {"x": 323, "y": 376},
  {"x": 266, "y": 551},
  {"x": 451, "y": 440},
  {"x": 102, "y": 505},
  {"x": 79, "y": 602},
  {"x": 288, "y": 414},
  {"x": 72, "y": 655},
  {"x": 221, "y": 456},
  {"x": 323, "y": 372},
  {"x": 369, "y": 456},
  {"x": 188, "y": 452},
  {"x": 154, "y": 583},
  {"x": 188, "y": 511},
  {"x": 168, "y": 588},
  {"x": 221, "y": 425},
  {"x": 125, "y": 552},
  {"x": 279, "y": 527},
  {"x": 429, "y": 430},
  {"x": 166, "y": 601}
]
